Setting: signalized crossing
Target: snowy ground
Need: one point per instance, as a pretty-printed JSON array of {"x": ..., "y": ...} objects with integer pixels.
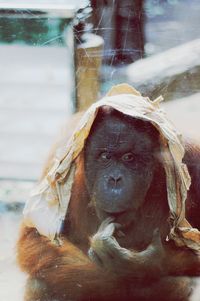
[
  {"x": 35, "y": 99},
  {"x": 11, "y": 279},
  {"x": 12, "y": 197},
  {"x": 36, "y": 87}
]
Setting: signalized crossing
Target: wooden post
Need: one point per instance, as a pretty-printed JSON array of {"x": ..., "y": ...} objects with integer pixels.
[{"x": 88, "y": 63}]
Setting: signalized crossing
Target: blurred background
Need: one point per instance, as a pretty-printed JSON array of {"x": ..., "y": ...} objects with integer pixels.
[{"x": 57, "y": 57}]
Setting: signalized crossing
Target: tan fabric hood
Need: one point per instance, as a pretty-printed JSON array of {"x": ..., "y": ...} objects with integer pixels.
[{"x": 48, "y": 203}]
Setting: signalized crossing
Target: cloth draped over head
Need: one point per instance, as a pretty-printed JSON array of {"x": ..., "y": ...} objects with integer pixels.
[{"x": 47, "y": 206}]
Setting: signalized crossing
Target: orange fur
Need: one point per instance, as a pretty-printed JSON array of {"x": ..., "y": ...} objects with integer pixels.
[
  {"x": 65, "y": 272},
  {"x": 62, "y": 268}
]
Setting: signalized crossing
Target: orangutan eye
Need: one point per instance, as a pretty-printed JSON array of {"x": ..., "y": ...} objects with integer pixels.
[
  {"x": 128, "y": 157},
  {"x": 105, "y": 156}
]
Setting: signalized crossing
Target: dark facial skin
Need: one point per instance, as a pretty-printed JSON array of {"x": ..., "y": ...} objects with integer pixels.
[{"x": 119, "y": 166}]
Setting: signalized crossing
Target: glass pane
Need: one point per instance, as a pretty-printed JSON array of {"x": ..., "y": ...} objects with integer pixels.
[{"x": 37, "y": 89}]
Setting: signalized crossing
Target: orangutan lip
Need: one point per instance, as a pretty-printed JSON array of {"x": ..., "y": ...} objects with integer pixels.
[
  {"x": 124, "y": 226},
  {"x": 123, "y": 219},
  {"x": 122, "y": 229},
  {"x": 123, "y": 222}
]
